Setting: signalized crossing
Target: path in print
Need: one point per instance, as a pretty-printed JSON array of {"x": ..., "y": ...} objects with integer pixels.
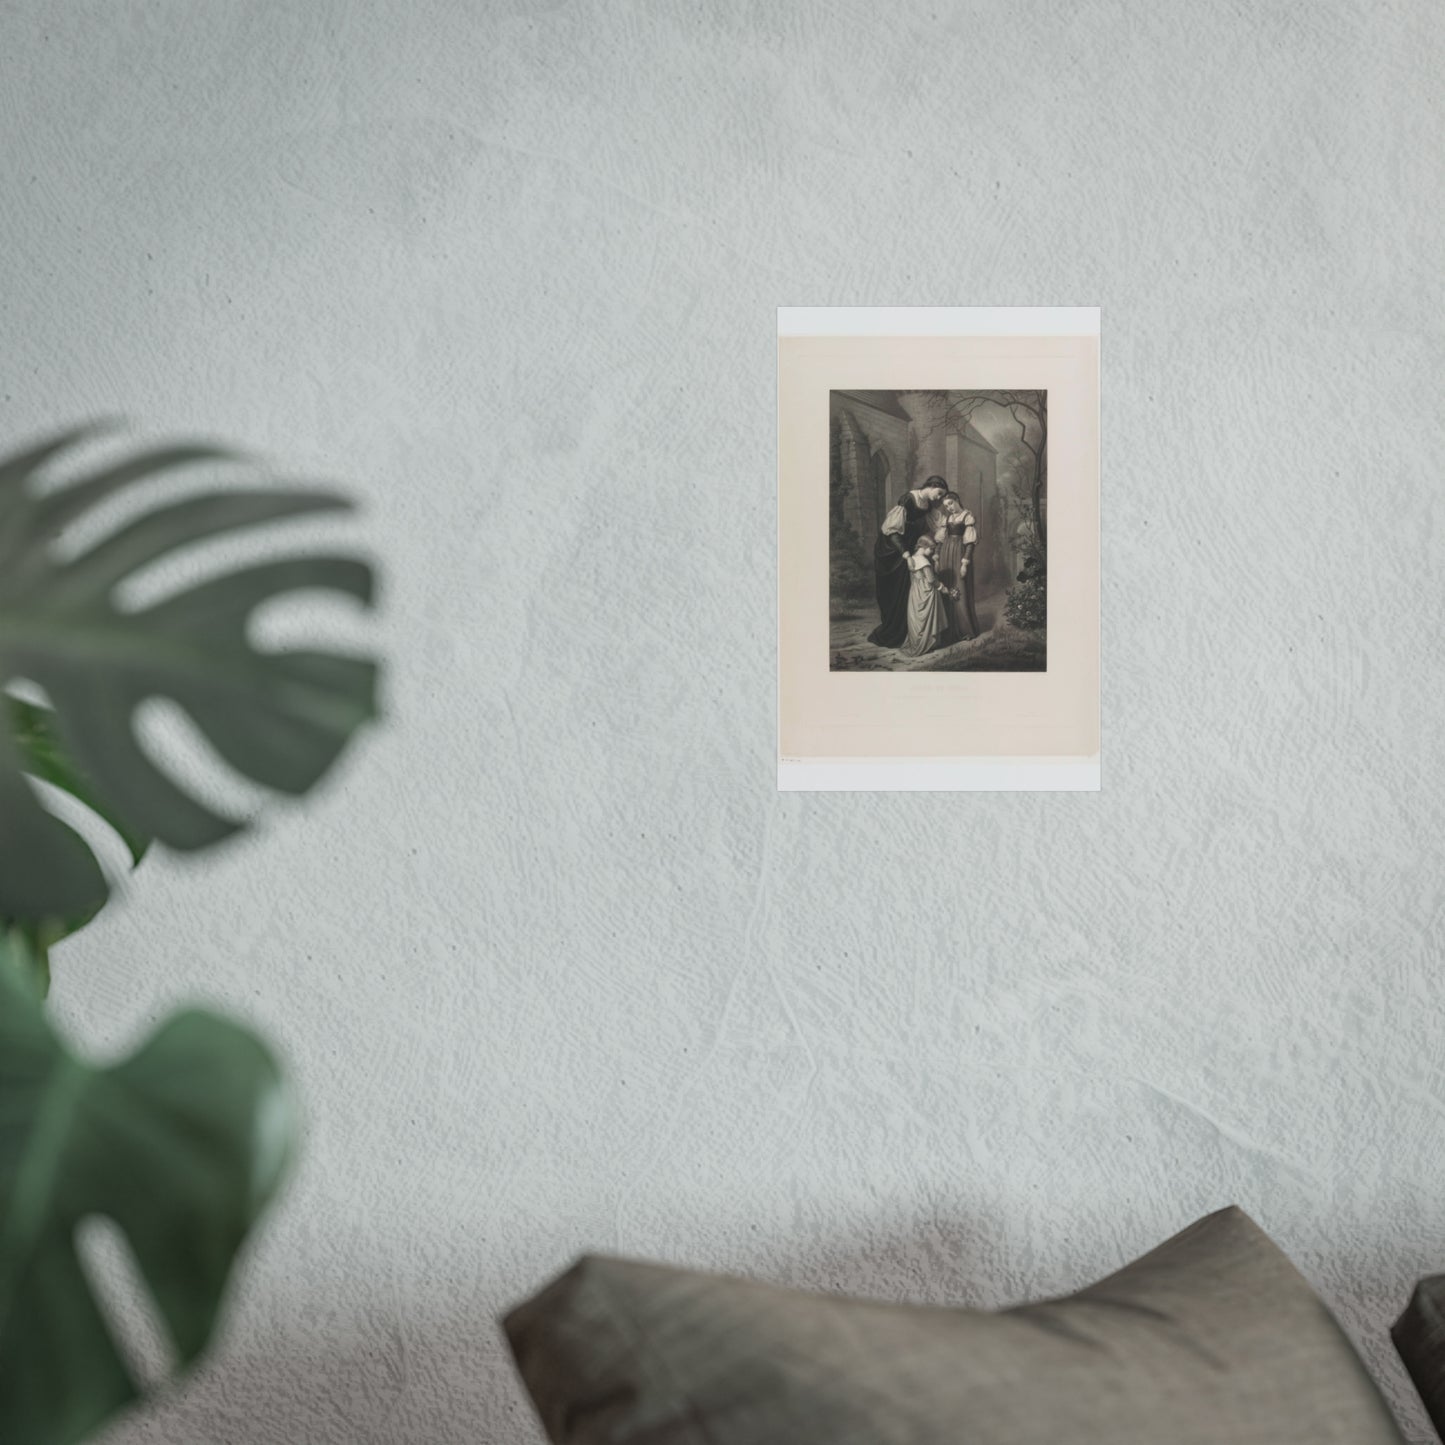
[{"x": 998, "y": 648}]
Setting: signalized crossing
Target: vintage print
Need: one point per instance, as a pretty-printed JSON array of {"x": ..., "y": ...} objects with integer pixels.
[
  {"x": 938, "y": 531},
  {"x": 938, "y": 548}
]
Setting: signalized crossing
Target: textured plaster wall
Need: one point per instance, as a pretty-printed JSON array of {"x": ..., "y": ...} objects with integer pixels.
[{"x": 554, "y": 966}]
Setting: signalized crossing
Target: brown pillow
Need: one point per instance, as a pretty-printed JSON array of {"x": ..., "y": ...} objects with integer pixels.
[
  {"x": 1213, "y": 1337},
  {"x": 1419, "y": 1336}
]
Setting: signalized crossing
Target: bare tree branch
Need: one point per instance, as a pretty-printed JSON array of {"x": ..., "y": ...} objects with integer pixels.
[{"x": 1035, "y": 407}]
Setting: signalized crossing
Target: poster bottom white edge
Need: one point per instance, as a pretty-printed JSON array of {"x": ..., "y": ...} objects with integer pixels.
[{"x": 939, "y": 775}]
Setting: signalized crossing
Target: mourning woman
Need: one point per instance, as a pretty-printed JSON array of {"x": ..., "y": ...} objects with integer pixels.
[
  {"x": 956, "y": 535},
  {"x": 898, "y": 536}
]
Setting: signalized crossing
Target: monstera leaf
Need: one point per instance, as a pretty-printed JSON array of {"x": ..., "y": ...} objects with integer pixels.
[
  {"x": 280, "y": 718},
  {"x": 34, "y": 731},
  {"x": 181, "y": 1145},
  {"x": 38, "y": 738}
]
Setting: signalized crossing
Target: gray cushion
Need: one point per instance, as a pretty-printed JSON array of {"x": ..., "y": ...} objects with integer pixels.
[
  {"x": 1213, "y": 1337},
  {"x": 1419, "y": 1336}
]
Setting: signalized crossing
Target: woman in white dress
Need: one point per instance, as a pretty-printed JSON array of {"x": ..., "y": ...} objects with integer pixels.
[
  {"x": 927, "y": 620},
  {"x": 902, "y": 527}
]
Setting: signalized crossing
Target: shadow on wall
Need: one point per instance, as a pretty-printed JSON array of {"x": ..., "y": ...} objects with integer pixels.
[{"x": 374, "y": 1371}]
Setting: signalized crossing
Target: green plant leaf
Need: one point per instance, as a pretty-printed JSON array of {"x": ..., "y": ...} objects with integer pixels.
[
  {"x": 182, "y": 1145},
  {"x": 26, "y": 958},
  {"x": 38, "y": 737},
  {"x": 280, "y": 718},
  {"x": 42, "y": 756}
]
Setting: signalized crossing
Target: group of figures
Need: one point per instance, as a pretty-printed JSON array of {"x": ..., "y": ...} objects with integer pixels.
[{"x": 925, "y": 583}]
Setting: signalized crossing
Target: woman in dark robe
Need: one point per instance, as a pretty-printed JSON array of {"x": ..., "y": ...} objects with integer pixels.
[{"x": 901, "y": 529}]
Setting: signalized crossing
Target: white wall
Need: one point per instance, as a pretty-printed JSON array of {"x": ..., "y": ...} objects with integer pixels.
[{"x": 555, "y": 967}]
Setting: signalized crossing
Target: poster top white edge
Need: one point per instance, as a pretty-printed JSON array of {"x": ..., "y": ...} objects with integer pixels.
[{"x": 938, "y": 320}]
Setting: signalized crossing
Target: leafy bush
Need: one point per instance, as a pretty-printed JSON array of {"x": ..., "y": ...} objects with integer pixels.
[{"x": 1027, "y": 604}]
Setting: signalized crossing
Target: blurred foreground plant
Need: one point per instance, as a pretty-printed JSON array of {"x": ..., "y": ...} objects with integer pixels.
[{"x": 184, "y": 1143}]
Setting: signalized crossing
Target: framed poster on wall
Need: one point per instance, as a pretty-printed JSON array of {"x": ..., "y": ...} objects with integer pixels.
[{"x": 938, "y": 533}]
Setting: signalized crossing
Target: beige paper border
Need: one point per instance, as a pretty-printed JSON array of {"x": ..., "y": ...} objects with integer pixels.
[{"x": 833, "y": 716}]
